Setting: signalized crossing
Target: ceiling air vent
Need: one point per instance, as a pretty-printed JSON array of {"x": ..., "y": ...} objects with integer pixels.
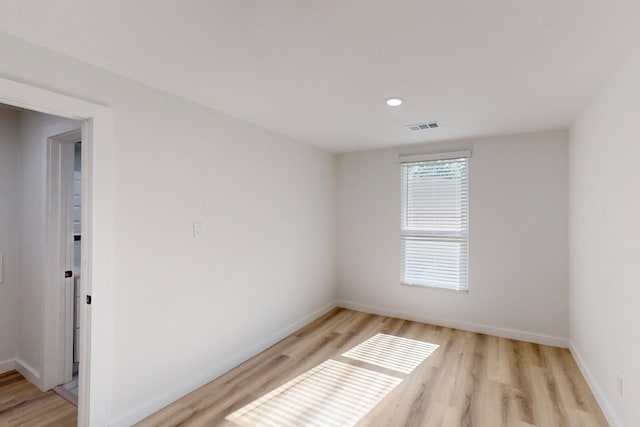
[{"x": 423, "y": 126}]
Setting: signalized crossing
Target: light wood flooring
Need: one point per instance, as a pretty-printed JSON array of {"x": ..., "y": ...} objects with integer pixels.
[
  {"x": 22, "y": 404},
  {"x": 469, "y": 380}
]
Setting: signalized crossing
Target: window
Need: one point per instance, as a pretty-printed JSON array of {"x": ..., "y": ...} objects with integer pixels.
[{"x": 435, "y": 220}]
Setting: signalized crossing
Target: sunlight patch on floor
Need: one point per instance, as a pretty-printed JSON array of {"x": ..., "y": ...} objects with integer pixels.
[
  {"x": 331, "y": 394},
  {"x": 391, "y": 352}
]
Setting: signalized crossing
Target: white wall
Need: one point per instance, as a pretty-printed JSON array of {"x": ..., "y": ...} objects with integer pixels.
[
  {"x": 604, "y": 235},
  {"x": 8, "y": 234},
  {"x": 185, "y": 310},
  {"x": 518, "y": 238},
  {"x": 34, "y": 129}
]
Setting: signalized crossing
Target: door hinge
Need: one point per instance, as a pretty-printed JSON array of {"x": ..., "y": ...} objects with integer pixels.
[
  {"x": 88, "y": 299},
  {"x": 68, "y": 274}
]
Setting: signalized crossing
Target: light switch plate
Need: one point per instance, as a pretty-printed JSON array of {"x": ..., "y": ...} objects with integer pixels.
[
  {"x": 198, "y": 230},
  {"x": 619, "y": 384}
]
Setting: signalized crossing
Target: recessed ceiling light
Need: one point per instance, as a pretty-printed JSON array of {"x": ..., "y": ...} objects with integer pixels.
[{"x": 393, "y": 102}]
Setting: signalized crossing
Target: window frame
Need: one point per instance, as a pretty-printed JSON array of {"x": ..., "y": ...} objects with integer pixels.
[{"x": 404, "y": 233}]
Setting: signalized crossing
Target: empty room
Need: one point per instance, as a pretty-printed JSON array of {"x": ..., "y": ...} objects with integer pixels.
[{"x": 319, "y": 213}]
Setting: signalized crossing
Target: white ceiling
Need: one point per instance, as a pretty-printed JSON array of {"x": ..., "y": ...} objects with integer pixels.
[{"x": 319, "y": 71}]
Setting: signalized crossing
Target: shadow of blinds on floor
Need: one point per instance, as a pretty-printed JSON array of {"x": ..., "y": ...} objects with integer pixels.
[
  {"x": 391, "y": 352},
  {"x": 331, "y": 394}
]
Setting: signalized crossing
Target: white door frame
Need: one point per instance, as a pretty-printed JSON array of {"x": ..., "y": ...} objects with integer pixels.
[
  {"x": 97, "y": 238},
  {"x": 58, "y": 366}
]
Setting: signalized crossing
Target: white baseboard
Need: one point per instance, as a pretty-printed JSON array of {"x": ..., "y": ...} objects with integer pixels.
[
  {"x": 456, "y": 324},
  {"x": 606, "y": 407},
  {"x": 31, "y": 374},
  {"x": 7, "y": 365},
  {"x": 155, "y": 404}
]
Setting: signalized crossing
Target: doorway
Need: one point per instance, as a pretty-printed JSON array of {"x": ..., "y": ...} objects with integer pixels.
[
  {"x": 97, "y": 123},
  {"x": 38, "y": 227}
]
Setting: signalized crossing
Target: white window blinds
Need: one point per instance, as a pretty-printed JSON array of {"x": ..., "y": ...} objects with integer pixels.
[{"x": 435, "y": 221}]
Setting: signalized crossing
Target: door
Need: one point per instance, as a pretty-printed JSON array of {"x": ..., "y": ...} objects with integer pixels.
[
  {"x": 77, "y": 252},
  {"x": 65, "y": 239}
]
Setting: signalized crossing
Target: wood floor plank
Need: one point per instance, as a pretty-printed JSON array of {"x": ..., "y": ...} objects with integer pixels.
[
  {"x": 470, "y": 380},
  {"x": 498, "y": 355}
]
